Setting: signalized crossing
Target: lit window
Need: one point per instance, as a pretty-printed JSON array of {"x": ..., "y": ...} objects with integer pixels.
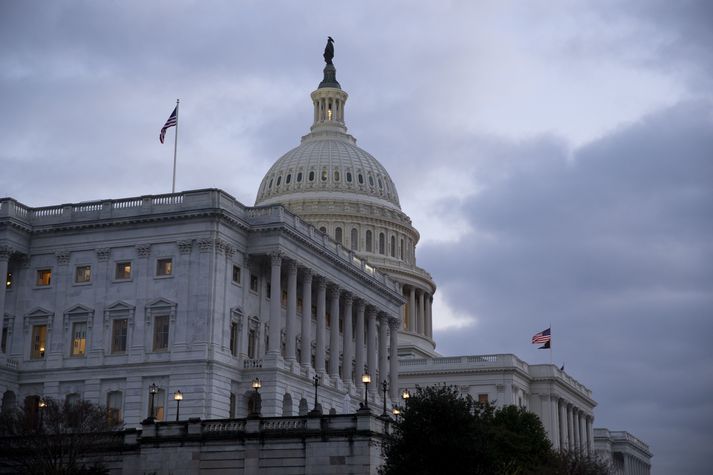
[
  {"x": 44, "y": 277},
  {"x": 123, "y": 271},
  {"x": 79, "y": 339},
  {"x": 119, "y": 331},
  {"x": 236, "y": 274},
  {"x": 164, "y": 267},
  {"x": 253, "y": 282},
  {"x": 39, "y": 340},
  {"x": 159, "y": 402},
  {"x": 483, "y": 398},
  {"x": 324, "y": 174},
  {"x": 160, "y": 333},
  {"x": 114, "y": 400},
  {"x": 233, "y": 338},
  {"x": 8, "y": 280},
  {"x": 83, "y": 274}
]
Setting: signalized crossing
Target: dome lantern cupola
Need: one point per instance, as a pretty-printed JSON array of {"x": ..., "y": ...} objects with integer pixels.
[{"x": 329, "y": 100}]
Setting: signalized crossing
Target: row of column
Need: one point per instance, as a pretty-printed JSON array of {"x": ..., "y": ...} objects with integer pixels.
[
  {"x": 575, "y": 428},
  {"x": 5, "y": 253},
  {"x": 634, "y": 466},
  {"x": 351, "y": 347},
  {"x": 417, "y": 315}
]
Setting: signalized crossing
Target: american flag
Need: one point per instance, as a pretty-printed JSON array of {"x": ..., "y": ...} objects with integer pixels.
[
  {"x": 171, "y": 122},
  {"x": 542, "y": 337}
]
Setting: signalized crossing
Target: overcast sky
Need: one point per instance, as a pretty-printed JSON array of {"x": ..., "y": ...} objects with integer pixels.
[{"x": 556, "y": 156}]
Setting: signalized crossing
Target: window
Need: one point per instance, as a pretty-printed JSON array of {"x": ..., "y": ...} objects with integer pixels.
[
  {"x": 338, "y": 235},
  {"x": 393, "y": 246},
  {"x": 82, "y": 274},
  {"x": 299, "y": 177},
  {"x": 253, "y": 282},
  {"x": 349, "y": 177},
  {"x": 252, "y": 342},
  {"x": 236, "y": 275},
  {"x": 44, "y": 277},
  {"x": 299, "y": 304},
  {"x": 72, "y": 399},
  {"x": 114, "y": 400},
  {"x": 361, "y": 179},
  {"x": 371, "y": 180},
  {"x": 160, "y": 333},
  {"x": 279, "y": 179},
  {"x": 381, "y": 185},
  {"x": 382, "y": 243},
  {"x": 158, "y": 408},
  {"x": 3, "y": 345},
  {"x": 123, "y": 271},
  {"x": 483, "y": 398},
  {"x": 269, "y": 185},
  {"x": 119, "y": 331},
  {"x": 355, "y": 240},
  {"x": 164, "y": 267},
  {"x": 269, "y": 290},
  {"x": 324, "y": 174},
  {"x": 234, "y": 338},
  {"x": 288, "y": 179},
  {"x": 336, "y": 175},
  {"x": 311, "y": 176},
  {"x": 368, "y": 241},
  {"x": 323, "y": 229},
  {"x": 39, "y": 340},
  {"x": 231, "y": 409},
  {"x": 8, "y": 280},
  {"x": 401, "y": 249},
  {"x": 79, "y": 339}
]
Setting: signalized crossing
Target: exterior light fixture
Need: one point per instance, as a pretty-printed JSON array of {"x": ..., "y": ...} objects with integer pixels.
[
  {"x": 153, "y": 389},
  {"x": 405, "y": 395},
  {"x": 366, "y": 379},
  {"x": 384, "y": 388},
  {"x": 256, "y": 384},
  {"x": 178, "y": 397}
]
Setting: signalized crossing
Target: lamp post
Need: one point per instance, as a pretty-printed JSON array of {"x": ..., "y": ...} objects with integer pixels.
[
  {"x": 316, "y": 384},
  {"x": 405, "y": 395},
  {"x": 41, "y": 405},
  {"x": 178, "y": 397},
  {"x": 256, "y": 385},
  {"x": 153, "y": 389},
  {"x": 366, "y": 379},
  {"x": 396, "y": 411},
  {"x": 384, "y": 388}
]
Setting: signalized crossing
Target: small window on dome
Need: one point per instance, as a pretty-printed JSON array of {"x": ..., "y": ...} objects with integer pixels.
[
  {"x": 355, "y": 239},
  {"x": 368, "y": 241},
  {"x": 361, "y": 179},
  {"x": 349, "y": 177},
  {"x": 279, "y": 179},
  {"x": 299, "y": 177},
  {"x": 288, "y": 179},
  {"x": 381, "y": 185},
  {"x": 393, "y": 246},
  {"x": 311, "y": 176},
  {"x": 269, "y": 185},
  {"x": 323, "y": 229},
  {"x": 336, "y": 175},
  {"x": 324, "y": 174},
  {"x": 338, "y": 235},
  {"x": 371, "y": 180}
]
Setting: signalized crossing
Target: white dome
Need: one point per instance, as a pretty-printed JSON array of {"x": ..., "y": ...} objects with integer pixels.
[{"x": 327, "y": 166}]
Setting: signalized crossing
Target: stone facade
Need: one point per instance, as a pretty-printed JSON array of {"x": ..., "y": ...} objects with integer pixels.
[{"x": 625, "y": 453}]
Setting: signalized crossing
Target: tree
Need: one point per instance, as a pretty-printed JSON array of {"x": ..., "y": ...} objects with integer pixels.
[
  {"x": 55, "y": 437},
  {"x": 443, "y": 431}
]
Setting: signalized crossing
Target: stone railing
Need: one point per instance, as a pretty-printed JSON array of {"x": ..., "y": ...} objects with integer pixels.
[
  {"x": 549, "y": 371},
  {"x": 623, "y": 436},
  {"x": 252, "y": 363},
  {"x": 463, "y": 362},
  {"x": 231, "y": 425}
]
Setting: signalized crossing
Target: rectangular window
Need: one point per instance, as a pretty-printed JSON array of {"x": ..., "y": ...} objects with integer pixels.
[
  {"x": 164, "y": 267},
  {"x": 113, "y": 405},
  {"x": 83, "y": 274},
  {"x": 123, "y": 271},
  {"x": 269, "y": 290},
  {"x": 253, "y": 282},
  {"x": 79, "y": 338},
  {"x": 233, "y": 338},
  {"x": 236, "y": 275},
  {"x": 39, "y": 340},
  {"x": 299, "y": 304},
  {"x": 8, "y": 280},
  {"x": 119, "y": 330},
  {"x": 3, "y": 347},
  {"x": 233, "y": 400},
  {"x": 483, "y": 398},
  {"x": 252, "y": 342},
  {"x": 159, "y": 399},
  {"x": 44, "y": 277},
  {"x": 160, "y": 333}
]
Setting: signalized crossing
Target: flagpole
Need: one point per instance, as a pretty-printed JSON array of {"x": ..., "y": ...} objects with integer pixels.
[
  {"x": 175, "y": 148},
  {"x": 550, "y": 342}
]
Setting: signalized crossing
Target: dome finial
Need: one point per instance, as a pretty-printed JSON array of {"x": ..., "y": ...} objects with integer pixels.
[{"x": 330, "y": 72}]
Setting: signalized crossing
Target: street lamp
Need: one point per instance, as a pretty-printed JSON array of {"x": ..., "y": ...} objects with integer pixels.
[
  {"x": 153, "y": 389},
  {"x": 178, "y": 397},
  {"x": 405, "y": 395},
  {"x": 41, "y": 405},
  {"x": 256, "y": 385},
  {"x": 396, "y": 412},
  {"x": 384, "y": 388},
  {"x": 366, "y": 379},
  {"x": 316, "y": 384}
]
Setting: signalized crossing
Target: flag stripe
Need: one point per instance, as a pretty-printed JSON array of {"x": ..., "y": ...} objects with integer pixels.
[
  {"x": 171, "y": 122},
  {"x": 542, "y": 337}
]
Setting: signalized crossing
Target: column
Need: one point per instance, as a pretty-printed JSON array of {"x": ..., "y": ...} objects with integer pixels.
[
  {"x": 575, "y": 431},
  {"x": 321, "y": 324},
  {"x": 582, "y": 433},
  {"x": 429, "y": 322},
  {"x": 590, "y": 441},
  {"x": 420, "y": 327},
  {"x": 394, "y": 325},
  {"x": 383, "y": 355},
  {"x": 564, "y": 442},
  {"x": 4, "y": 259},
  {"x": 371, "y": 346},
  {"x": 554, "y": 410},
  {"x": 348, "y": 346},
  {"x": 412, "y": 310},
  {"x": 334, "y": 332},
  {"x": 275, "y": 310},
  {"x": 291, "y": 310},
  {"x": 306, "y": 318},
  {"x": 359, "y": 340},
  {"x": 570, "y": 428}
]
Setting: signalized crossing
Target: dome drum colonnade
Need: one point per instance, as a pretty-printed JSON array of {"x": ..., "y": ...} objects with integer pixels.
[{"x": 371, "y": 348}]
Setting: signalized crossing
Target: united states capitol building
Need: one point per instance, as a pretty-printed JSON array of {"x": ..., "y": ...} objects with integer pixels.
[{"x": 126, "y": 301}]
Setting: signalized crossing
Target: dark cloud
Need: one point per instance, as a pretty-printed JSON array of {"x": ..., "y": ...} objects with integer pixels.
[{"x": 612, "y": 245}]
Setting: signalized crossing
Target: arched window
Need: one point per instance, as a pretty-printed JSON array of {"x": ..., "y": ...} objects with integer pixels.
[
  {"x": 393, "y": 246},
  {"x": 336, "y": 175},
  {"x": 114, "y": 403},
  {"x": 323, "y": 229},
  {"x": 381, "y": 185},
  {"x": 368, "y": 241},
  {"x": 401, "y": 249},
  {"x": 382, "y": 243},
  {"x": 355, "y": 240},
  {"x": 303, "y": 408},
  {"x": 349, "y": 177},
  {"x": 288, "y": 179},
  {"x": 286, "y": 405},
  {"x": 269, "y": 185},
  {"x": 371, "y": 180},
  {"x": 324, "y": 174},
  {"x": 338, "y": 235},
  {"x": 311, "y": 176},
  {"x": 279, "y": 179},
  {"x": 299, "y": 177},
  {"x": 361, "y": 179}
]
